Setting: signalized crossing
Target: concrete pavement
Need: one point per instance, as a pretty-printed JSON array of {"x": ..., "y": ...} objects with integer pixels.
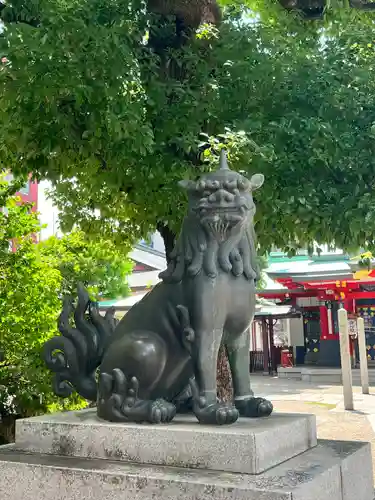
[{"x": 326, "y": 402}]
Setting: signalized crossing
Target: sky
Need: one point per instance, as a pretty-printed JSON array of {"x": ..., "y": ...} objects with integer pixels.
[
  {"x": 49, "y": 215},
  {"x": 48, "y": 212}
]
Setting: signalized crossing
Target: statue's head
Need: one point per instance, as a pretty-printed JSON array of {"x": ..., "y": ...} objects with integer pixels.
[
  {"x": 217, "y": 234},
  {"x": 222, "y": 200}
]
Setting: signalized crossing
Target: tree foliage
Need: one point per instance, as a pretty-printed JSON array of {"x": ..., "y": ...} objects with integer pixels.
[
  {"x": 106, "y": 99},
  {"x": 32, "y": 282},
  {"x": 97, "y": 264},
  {"x": 29, "y": 304}
]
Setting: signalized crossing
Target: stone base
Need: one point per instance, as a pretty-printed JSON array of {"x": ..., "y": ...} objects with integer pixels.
[
  {"x": 249, "y": 446},
  {"x": 322, "y": 375},
  {"x": 75, "y": 456},
  {"x": 330, "y": 471}
]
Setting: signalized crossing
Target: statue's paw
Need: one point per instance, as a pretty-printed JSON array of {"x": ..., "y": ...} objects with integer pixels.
[
  {"x": 111, "y": 395},
  {"x": 216, "y": 414},
  {"x": 119, "y": 401},
  {"x": 254, "y": 407},
  {"x": 140, "y": 410},
  {"x": 162, "y": 412}
]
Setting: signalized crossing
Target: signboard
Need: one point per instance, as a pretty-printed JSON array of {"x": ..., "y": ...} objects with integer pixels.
[{"x": 352, "y": 327}]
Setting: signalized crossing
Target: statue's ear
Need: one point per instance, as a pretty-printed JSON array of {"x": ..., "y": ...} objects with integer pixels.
[
  {"x": 256, "y": 181},
  {"x": 186, "y": 184}
]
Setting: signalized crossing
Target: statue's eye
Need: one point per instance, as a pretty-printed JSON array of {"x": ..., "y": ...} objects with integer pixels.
[
  {"x": 243, "y": 184},
  {"x": 230, "y": 185}
]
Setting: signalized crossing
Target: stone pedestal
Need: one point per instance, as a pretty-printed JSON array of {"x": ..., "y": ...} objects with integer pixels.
[{"x": 75, "y": 456}]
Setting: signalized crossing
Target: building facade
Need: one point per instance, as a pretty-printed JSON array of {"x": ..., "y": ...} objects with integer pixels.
[
  {"x": 317, "y": 287},
  {"x": 28, "y": 193}
]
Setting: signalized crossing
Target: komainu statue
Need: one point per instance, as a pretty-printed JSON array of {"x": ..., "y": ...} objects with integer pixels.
[{"x": 161, "y": 358}]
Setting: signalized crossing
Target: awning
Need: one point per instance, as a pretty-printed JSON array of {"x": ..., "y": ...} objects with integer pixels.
[{"x": 263, "y": 307}]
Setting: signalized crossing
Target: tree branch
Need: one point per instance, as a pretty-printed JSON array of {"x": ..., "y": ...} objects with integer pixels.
[
  {"x": 314, "y": 9},
  {"x": 168, "y": 237},
  {"x": 362, "y": 4}
]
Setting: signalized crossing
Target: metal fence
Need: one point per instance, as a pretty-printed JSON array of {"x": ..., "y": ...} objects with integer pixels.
[{"x": 256, "y": 361}]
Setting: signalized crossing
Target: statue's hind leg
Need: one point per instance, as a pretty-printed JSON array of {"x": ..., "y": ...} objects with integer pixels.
[
  {"x": 131, "y": 369},
  {"x": 119, "y": 401}
]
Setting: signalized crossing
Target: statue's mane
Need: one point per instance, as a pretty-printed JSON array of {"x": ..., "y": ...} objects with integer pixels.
[{"x": 197, "y": 251}]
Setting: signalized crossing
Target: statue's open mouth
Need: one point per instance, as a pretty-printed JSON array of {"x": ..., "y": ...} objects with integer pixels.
[
  {"x": 229, "y": 213},
  {"x": 220, "y": 220}
]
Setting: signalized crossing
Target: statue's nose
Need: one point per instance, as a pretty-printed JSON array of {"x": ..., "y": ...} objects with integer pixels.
[{"x": 220, "y": 196}]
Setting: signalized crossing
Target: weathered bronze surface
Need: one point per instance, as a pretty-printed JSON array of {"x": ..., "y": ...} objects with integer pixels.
[{"x": 162, "y": 356}]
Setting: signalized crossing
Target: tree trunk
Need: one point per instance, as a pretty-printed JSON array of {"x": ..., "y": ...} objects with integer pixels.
[
  {"x": 224, "y": 377},
  {"x": 169, "y": 239},
  {"x": 7, "y": 429}
]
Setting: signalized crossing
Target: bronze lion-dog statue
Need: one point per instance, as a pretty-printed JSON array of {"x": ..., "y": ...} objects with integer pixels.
[{"x": 161, "y": 358}]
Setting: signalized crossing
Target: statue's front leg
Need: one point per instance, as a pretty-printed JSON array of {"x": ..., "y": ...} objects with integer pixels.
[
  {"x": 238, "y": 349},
  {"x": 204, "y": 388}
]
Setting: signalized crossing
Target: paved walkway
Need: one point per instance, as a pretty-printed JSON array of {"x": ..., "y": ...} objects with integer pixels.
[{"x": 326, "y": 402}]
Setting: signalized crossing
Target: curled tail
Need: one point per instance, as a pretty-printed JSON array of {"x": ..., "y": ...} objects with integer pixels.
[{"x": 75, "y": 355}]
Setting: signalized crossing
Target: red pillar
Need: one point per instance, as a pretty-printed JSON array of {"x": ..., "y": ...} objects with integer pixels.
[
  {"x": 272, "y": 344},
  {"x": 266, "y": 357},
  {"x": 324, "y": 331},
  {"x": 349, "y": 305},
  {"x": 253, "y": 336}
]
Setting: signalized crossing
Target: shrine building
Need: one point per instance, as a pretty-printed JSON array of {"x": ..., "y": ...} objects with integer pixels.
[{"x": 315, "y": 288}]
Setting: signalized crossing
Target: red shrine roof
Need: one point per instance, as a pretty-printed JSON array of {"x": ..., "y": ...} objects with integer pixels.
[{"x": 326, "y": 281}]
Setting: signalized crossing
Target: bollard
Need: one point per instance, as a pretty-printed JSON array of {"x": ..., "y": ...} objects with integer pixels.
[
  {"x": 363, "y": 355},
  {"x": 346, "y": 368}
]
